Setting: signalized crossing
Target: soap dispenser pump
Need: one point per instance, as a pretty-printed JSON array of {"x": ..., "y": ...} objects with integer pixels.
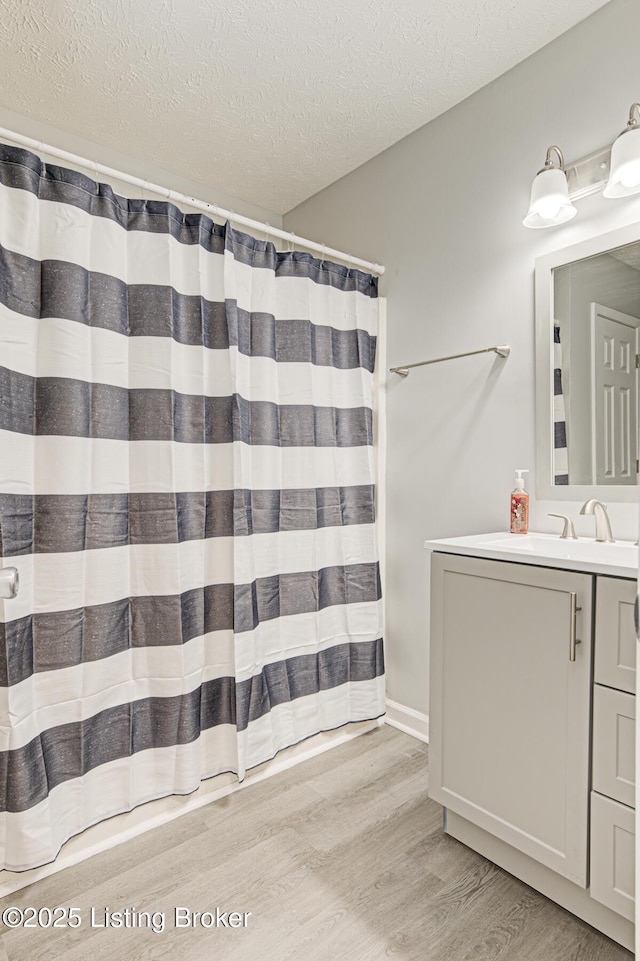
[{"x": 519, "y": 505}]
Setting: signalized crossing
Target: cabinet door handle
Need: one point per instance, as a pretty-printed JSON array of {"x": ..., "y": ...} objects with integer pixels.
[{"x": 573, "y": 640}]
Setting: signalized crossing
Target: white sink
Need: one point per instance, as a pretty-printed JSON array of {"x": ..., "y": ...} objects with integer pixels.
[
  {"x": 548, "y": 550},
  {"x": 587, "y": 549}
]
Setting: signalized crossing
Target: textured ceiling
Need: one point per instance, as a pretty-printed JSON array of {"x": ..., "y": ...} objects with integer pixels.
[
  {"x": 270, "y": 100},
  {"x": 629, "y": 255}
]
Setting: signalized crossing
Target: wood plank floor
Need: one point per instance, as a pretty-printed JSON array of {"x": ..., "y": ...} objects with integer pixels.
[{"x": 342, "y": 857}]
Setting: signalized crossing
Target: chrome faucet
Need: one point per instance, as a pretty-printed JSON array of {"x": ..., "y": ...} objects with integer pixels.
[{"x": 603, "y": 524}]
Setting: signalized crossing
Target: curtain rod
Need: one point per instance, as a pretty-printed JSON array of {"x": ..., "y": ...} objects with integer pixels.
[
  {"x": 178, "y": 197},
  {"x": 502, "y": 351}
]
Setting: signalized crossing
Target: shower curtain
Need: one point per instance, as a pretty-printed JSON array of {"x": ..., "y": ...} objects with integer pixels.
[{"x": 187, "y": 491}]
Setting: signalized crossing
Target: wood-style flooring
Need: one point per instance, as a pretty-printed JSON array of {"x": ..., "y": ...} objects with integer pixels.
[{"x": 341, "y": 858}]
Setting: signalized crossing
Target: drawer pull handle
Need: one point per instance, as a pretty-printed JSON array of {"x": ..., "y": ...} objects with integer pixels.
[{"x": 573, "y": 640}]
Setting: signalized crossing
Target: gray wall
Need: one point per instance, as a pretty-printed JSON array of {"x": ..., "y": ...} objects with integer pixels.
[{"x": 442, "y": 210}]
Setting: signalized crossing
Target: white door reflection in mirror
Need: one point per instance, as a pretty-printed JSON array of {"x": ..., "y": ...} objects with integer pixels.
[{"x": 615, "y": 395}]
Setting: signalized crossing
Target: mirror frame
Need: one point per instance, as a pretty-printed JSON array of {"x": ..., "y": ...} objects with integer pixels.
[{"x": 544, "y": 267}]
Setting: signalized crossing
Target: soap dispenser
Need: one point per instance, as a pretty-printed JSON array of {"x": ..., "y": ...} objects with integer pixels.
[{"x": 519, "y": 505}]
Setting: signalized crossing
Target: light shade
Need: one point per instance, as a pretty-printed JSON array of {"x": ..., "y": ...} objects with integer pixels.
[
  {"x": 624, "y": 173},
  {"x": 550, "y": 203}
]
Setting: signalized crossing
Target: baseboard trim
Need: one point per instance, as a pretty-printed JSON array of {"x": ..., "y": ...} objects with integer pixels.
[
  {"x": 406, "y": 719},
  {"x": 123, "y": 827}
]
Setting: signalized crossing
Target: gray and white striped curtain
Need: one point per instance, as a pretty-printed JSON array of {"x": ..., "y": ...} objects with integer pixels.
[
  {"x": 560, "y": 451},
  {"x": 187, "y": 490}
]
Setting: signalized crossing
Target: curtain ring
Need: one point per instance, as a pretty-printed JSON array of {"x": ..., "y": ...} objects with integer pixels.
[
  {"x": 292, "y": 241},
  {"x": 43, "y": 164},
  {"x": 324, "y": 249}
]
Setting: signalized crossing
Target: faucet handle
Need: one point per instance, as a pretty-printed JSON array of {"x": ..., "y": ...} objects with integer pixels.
[{"x": 568, "y": 531}]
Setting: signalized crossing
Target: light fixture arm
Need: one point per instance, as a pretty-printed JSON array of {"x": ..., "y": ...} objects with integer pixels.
[
  {"x": 549, "y": 161},
  {"x": 634, "y": 121}
]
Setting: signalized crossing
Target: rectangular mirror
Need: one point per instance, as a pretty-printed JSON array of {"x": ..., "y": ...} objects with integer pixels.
[{"x": 587, "y": 378}]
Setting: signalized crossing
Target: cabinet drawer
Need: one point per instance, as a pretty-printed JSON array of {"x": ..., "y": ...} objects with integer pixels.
[
  {"x": 615, "y": 661},
  {"x": 614, "y": 714},
  {"x": 612, "y": 855}
]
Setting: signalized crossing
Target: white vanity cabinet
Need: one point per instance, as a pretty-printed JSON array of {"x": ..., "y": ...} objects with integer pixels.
[
  {"x": 510, "y": 703},
  {"x": 532, "y": 723}
]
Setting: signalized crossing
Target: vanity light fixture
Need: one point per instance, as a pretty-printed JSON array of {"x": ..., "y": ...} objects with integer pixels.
[
  {"x": 550, "y": 203},
  {"x": 624, "y": 173},
  {"x": 615, "y": 168}
]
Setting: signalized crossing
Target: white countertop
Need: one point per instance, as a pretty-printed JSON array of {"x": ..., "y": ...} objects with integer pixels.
[{"x": 546, "y": 550}]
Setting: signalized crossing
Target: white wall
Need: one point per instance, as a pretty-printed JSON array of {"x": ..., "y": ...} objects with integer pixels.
[
  {"x": 146, "y": 170},
  {"x": 442, "y": 210}
]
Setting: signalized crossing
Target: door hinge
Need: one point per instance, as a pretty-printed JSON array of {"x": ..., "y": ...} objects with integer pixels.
[{"x": 637, "y": 361}]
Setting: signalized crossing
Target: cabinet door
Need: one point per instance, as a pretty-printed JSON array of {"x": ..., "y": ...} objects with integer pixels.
[
  {"x": 615, "y": 633},
  {"x": 509, "y": 709}
]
